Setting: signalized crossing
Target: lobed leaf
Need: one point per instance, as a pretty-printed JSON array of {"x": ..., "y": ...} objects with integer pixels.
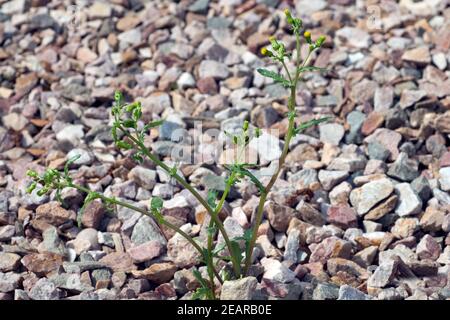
[{"x": 277, "y": 78}]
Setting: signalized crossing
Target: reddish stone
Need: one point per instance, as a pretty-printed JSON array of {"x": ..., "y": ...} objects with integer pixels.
[
  {"x": 93, "y": 214},
  {"x": 42, "y": 263},
  {"x": 207, "y": 85},
  {"x": 428, "y": 248},
  {"x": 373, "y": 122},
  {"x": 166, "y": 290},
  {"x": 145, "y": 251},
  {"x": 119, "y": 262},
  {"x": 444, "y": 161},
  {"x": 331, "y": 247},
  {"x": 343, "y": 216}
]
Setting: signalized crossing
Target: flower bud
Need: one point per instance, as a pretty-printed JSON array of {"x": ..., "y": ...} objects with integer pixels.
[
  {"x": 32, "y": 173},
  {"x": 289, "y": 18},
  {"x": 274, "y": 43},
  {"x": 266, "y": 52},
  {"x": 320, "y": 41},
  {"x": 31, "y": 187},
  {"x": 257, "y": 132},
  {"x": 307, "y": 36},
  {"x": 245, "y": 126}
]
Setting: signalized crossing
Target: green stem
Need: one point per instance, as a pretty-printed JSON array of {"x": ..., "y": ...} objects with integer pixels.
[
  {"x": 186, "y": 185},
  {"x": 281, "y": 161},
  {"x": 140, "y": 210}
]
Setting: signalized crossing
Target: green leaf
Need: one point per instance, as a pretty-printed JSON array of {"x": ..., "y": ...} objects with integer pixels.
[
  {"x": 138, "y": 158},
  {"x": 129, "y": 123},
  {"x": 247, "y": 236},
  {"x": 309, "y": 124},
  {"x": 137, "y": 113},
  {"x": 211, "y": 198},
  {"x": 311, "y": 68},
  {"x": 236, "y": 252},
  {"x": 156, "y": 203},
  {"x": 211, "y": 230},
  {"x": 153, "y": 124},
  {"x": 31, "y": 187},
  {"x": 68, "y": 163},
  {"x": 277, "y": 78},
  {"x": 198, "y": 276},
  {"x": 201, "y": 294},
  {"x": 123, "y": 145},
  {"x": 219, "y": 248}
]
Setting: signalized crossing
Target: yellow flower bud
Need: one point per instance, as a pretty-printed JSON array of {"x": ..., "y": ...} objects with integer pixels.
[
  {"x": 307, "y": 36},
  {"x": 264, "y": 51},
  {"x": 287, "y": 12}
]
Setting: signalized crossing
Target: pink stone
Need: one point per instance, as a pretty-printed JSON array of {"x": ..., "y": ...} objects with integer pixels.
[
  {"x": 145, "y": 251},
  {"x": 445, "y": 160},
  {"x": 428, "y": 248},
  {"x": 331, "y": 247},
  {"x": 342, "y": 216}
]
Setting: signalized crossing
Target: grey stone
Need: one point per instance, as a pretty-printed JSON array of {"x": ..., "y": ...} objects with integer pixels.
[
  {"x": 353, "y": 37},
  {"x": 9, "y": 261},
  {"x": 241, "y": 289},
  {"x": 404, "y": 168},
  {"x": 276, "y": 271},
  {"x": 70, "y": 281},
  {"x": 444, "y": 178},
  {"x": 383, "y": 275},
  {"x": 9, "y": 281},
  {"x": 370, "y": 194},
  {"x": 441, "y": 196},
  {"x": 331, "y": 133},
  {"x": 292, "y": 246},
  {"x": 349, "y": 293},
  {"x": 199, "y": 6},
  {"x": 377, "y": 151},
  {"x": 52, "y": 242},
  {"x": 7, "y": 232},
  {"x": 326, "y": 291},
  {"x": 214, "y": 69},
  {"x": 355, "y": 119},
  {"x": 329, "y": 178},
  {"x": 85, "y": 157},
  {"x": 146, "y": 178},
  {"x": 307, "y": 8},
  {"x": 409, "y": 202},
  {"x": 146, "y": 230},
  {"x": 422, "y": 187},
  {"x": 383, "y": 99},
  {"x": 44, "y": 289}
]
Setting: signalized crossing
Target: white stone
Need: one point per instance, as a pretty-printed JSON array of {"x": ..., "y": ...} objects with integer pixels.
[
  {"x": 444, "y": 178},
  {"x": 409, "y": 202}
]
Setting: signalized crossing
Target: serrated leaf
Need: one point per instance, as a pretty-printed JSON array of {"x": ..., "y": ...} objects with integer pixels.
[
  {"x": 211, "y": 230},
  {"x": 310, "y": 123},
  {"x": 153, "y": 124},
  {"x": 156, "y": 203},
  {"x": 219, "y": 248},
  {"x": 311, "y": 68},
  {"x": 236, "y": 252},
  {"x": 129, "y": 123},
  {"x": 69, "y": 162},
  {"x": 277, "y": 78},
  {"x": 123, "y": 145},
  {"x": 211, "y": 198}
]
